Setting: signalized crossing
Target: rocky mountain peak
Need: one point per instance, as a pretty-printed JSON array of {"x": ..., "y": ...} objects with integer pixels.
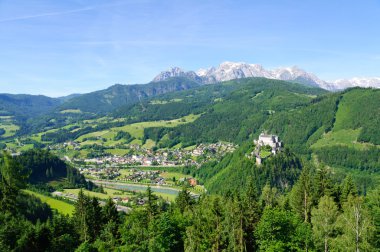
[
  {"x": 176, "y": 72},
  {"x": 235, "y": 70}
]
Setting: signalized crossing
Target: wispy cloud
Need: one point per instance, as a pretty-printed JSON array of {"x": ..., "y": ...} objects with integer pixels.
[{"x": 57, "y": 13}]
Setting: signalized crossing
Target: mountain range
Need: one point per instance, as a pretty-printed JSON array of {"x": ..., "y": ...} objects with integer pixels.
[{"x": 236, "y": 70}]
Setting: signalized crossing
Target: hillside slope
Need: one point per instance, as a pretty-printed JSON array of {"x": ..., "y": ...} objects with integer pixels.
[
  {"x": 232, "y": 111},
  {"x": 107, "y": 100},
  {"x": 26, "y": 105},
  {"x": 75, "y": 108}
]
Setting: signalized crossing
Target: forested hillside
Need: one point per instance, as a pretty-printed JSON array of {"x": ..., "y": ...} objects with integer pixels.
[
  {"x": 339, "y": 128},
  {"x": 328, "y": 168},
  {"x": 118, "y": 95},
  {"x": 43, "y": 166},
  {"x": 235, "y": 113},
  {"x": 295, "y": 211},
  {"x": 26, "y": 105},
  {"x": 35, "y": 113}
]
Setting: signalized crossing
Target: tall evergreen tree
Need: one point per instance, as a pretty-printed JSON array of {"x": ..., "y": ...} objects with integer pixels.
[
  {"x": 250, "y": 214},
  {"x": 348, "y": 189},
  {"x": 151, "y": 204},
  {"x": 80, "y": 216},
  {"x": 12, "y": 178},
  {"x": 234, "y": 225},
  {"x": 184, "y": 200},
  {"x": 323, "y": 183},
  {"x": 301, "y": 196},
  {"x": 109, "y": 211},
  {"x": 94, "y": 218}
]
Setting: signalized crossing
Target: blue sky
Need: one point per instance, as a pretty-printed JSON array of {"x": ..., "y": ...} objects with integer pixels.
[{"x": 74, "y": 46}]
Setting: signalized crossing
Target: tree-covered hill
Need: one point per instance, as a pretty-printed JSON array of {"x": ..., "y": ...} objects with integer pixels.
[
  {"x": 337, "y": 129},
  {"x": 333, "y": 130},
  {"x": 230, "y": 175},
  {"x": 26, "y": 105},
  {"x": 232, "y": 111},
  {"x": 43, "y": 166},
  {"x": 33, "y": 113},
  {"x": 340, "y": 128},
  {"x": 118, "y": 95},
  {"x": 307, "y": 120},
  {"x": 99, "y": 103}
]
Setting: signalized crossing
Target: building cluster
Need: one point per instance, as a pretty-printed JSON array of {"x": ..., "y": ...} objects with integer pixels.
[
  {"x": 151, "y": 176},
  {"x": 164, "y": 157},
  {"x": 100, "y": 172},
  {"x": 266, "y": 142}
]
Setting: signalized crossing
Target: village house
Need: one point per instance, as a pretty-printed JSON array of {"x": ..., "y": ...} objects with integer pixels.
[{"x": 192, "y": 182}]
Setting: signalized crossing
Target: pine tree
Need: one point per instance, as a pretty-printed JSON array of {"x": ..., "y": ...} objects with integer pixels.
[
  {"x": 12, "y": 178},
  {"x": 151, "y": 204},
  {"x": 94, "y": 218},
  {"x": 324, "y": 186},
  {"x": 184, "y": 200},
  {"x": 348, "y": 188},
  {"x": 51, "y": 172},
  {"x": 110, "y": 212},
  {"x": 80, "y": 216},
  {"x": 217, "y": 210},
  {"x": 250, "y": 214},
  {"x": 301, "y": 195},
  {"x": 233, "y": 224}
]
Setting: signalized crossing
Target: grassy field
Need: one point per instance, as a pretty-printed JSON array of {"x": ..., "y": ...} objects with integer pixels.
[
  {"x": 109, "y": 193},
  {"x": 149, "y": 144},
  {"x": 345, "y": 137},
  {"x": 116, "y": 193},
  {"x": 168, "y": 197},
  {"x": 72, "y": 111},
  {"x": 265, "y": 153},
  {"x": 125, "y": 172},
  {"x": 10, "y": 129},
  {"x": 136, "y": 130},
  {"x": 154, "y": 102},
  {"x": 349, "y": 106},
  {"x": 60, "y": 206},
  {"x": 37, "y": 137},
  {"x": 169, "y": 176},
  {"x": 118, "y": 152}
]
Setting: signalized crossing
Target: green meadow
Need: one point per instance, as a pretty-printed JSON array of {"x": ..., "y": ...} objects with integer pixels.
[{"x": 60, "y": 206}]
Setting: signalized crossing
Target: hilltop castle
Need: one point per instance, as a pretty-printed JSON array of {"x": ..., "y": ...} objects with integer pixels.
[{"x": 266, "y": 140}]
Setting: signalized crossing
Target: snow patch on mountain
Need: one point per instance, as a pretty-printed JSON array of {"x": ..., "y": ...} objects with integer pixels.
[
  {"x": 176, "y": 72},
  {"x": 237, "y": 70},
  {"x": 356, "y": 82}
]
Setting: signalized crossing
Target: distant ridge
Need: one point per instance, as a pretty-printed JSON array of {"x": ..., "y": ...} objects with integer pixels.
[{"x": 236, "y": 70}]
